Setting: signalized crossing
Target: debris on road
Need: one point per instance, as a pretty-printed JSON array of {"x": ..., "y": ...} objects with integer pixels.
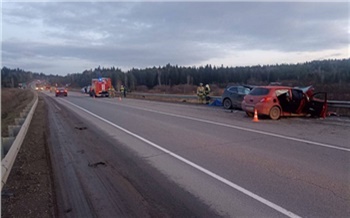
[
  {"x": 81, "y": 128},
  {"x": 96, "y": 164}
]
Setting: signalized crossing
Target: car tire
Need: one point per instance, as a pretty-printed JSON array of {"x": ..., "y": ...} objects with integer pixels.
[
  {"x": 249, "y": 114},
  {"x": 227, "y": 103},
  {"x": 275, "y": 113}
]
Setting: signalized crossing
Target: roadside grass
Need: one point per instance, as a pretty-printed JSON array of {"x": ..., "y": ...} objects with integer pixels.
[{"x": 13, "y": 101}]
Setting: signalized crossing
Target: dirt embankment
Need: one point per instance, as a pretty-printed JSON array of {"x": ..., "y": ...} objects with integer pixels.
[
  {"x": 28, "y": 191},
  {"x": 13, "y": 101}
]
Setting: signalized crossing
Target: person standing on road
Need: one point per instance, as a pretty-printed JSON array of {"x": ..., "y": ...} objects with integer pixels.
[
  {"x": 206, "y": 93},
  {"x": 122, "y": 90},
  {"x": 200, "y": 93},
  {"x": 112, "y": 92}
]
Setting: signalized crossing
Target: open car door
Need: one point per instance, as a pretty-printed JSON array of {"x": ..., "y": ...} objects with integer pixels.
[{"x": 318, "y": 104}]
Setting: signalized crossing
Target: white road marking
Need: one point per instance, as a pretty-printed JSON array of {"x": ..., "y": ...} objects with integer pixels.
[
  {"x": 241, "y": 128},
  {"x": 209, "y": 173}
]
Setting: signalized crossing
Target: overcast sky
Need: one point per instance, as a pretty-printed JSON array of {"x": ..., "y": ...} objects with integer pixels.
[{"x": 69, "y": 37}]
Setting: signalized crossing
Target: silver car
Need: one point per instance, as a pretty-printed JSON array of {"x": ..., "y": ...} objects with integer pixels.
[{"x": 233, "y": 96}]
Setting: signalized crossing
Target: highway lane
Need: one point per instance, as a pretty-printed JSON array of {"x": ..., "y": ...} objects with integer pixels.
[
  {"x": 305, "y": 177},
  {"x": 95, "y": 176}
]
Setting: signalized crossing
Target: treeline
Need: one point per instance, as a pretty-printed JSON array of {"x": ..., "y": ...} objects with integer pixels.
[
  {"x": 11, "y": 77},
  {"x": 315, "y": 72}
]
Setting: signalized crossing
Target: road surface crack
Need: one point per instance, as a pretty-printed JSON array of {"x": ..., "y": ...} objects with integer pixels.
[{"x": 310, "y": 183}]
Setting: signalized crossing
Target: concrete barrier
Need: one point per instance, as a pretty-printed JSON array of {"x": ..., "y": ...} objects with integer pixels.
[
  {"x": 6, "y": 143},
  {"x": 13, "y": 130},
  {"x": 19, "y": 121},
  {"x": 23, "y": 114}
]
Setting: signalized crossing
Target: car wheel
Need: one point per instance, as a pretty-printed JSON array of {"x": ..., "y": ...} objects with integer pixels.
[
  {"x": 275, "y": 113},
  {"x": 249, "y": 114},
  {"x": 227, "y": 103}
]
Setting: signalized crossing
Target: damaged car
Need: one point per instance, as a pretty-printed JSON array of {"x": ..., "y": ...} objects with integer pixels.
[{"x": 284, "y": 101}]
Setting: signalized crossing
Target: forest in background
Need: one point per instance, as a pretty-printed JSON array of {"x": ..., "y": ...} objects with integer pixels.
[{"x": 332, "y": 76}]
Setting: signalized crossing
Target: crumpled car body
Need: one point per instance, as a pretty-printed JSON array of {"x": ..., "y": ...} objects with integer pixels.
[{"x": 284, "y": 101}]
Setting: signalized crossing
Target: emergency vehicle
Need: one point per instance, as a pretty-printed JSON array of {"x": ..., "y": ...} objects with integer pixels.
[{"x": 99, "y": 87}]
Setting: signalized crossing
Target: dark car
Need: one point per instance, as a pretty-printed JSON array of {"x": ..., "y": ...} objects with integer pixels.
[
  {"x": 233, "y": 96},
  {"x": 61, "y": 92},
  {"x": 284, "y": 101}
]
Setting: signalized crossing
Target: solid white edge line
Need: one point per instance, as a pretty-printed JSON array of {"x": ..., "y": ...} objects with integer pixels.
[
  {"x": 213, "y": 175},
  {"x": 241, "y": 128}
]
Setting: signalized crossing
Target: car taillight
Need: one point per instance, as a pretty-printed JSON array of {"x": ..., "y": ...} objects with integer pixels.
[
  {"x": 57, "y": 91},
  {"x": 65, "y": 90},
  {"x": 265, "y": 99}
]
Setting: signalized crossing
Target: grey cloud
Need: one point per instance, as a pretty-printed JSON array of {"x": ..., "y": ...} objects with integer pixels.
[
  {"x": 127, "y": 55},
  {"x": 155, "y": 33}
]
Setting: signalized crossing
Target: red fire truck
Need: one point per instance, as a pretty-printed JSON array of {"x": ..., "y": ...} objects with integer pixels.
[{"x": 99, "y": 87}]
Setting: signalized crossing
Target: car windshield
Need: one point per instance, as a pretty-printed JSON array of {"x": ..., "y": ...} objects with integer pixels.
[
  {"x": 259, "y": 91},
  {"x": 233, "y": 89},
  {"x": 243, "y": 90}
]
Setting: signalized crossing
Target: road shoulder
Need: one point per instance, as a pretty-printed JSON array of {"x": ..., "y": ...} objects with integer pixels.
[{"x": 29, "y": 188}]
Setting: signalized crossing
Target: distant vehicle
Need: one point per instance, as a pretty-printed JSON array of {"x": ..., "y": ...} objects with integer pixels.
[
  {"x": 61, "y": 91},
  {"x": 284, "y": 101},
  {"x": 39, "y": 87},
  {"x": 99, "y": 87},
  {"x": 233, "y": 96}
]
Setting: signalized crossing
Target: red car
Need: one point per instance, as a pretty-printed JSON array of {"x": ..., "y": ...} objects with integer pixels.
[
  {"x": 61, "y": 91},
  {"x": 284, "y": 101}
]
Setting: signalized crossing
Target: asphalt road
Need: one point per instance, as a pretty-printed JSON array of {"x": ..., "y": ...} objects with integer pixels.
[{"x": 193, "y": 160}]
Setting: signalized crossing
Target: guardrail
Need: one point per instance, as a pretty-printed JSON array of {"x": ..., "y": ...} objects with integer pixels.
[
  {"x": 339, "y": 104},
  {"x": 10, "y": 157},
  {"x": 331, "y": 103}
]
